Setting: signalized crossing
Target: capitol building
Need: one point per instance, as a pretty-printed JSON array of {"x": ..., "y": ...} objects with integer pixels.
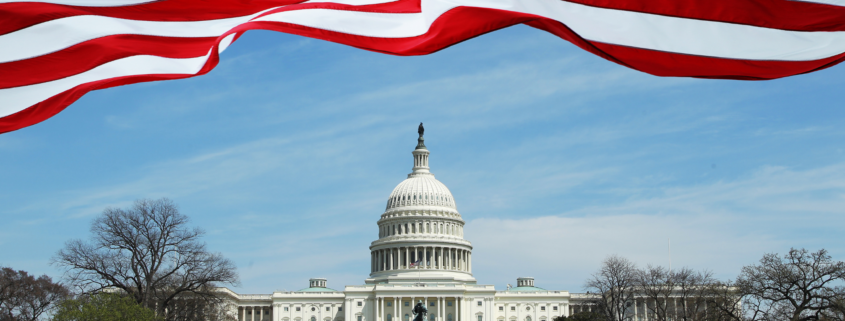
[{"x": 420, "y": 255}]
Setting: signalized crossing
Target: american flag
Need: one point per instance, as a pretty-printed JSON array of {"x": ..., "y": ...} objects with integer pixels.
[
  {"x": 54, "y": 51},
  {"x": 417, "y": 263}
]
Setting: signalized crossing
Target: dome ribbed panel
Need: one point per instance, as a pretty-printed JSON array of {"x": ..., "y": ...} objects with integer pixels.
[{"x": 421, "y": 191}]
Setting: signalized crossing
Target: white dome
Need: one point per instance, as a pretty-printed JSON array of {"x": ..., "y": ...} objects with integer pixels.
[{"x": 421, "y": 191}]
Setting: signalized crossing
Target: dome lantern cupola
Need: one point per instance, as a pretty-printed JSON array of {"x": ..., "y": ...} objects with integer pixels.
[{"x": 420, "y": 156}]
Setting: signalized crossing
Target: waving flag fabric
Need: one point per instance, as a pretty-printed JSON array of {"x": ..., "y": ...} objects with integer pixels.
[{"x": 54, "y": 51}]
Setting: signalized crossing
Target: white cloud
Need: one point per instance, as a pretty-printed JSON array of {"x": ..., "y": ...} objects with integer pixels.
[{"x": 720, "y": 227}]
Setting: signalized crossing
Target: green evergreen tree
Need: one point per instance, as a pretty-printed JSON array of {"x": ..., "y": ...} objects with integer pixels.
[{"x": 103, "y": 307}]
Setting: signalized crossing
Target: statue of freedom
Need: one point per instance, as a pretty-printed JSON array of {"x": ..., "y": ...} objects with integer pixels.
[{"x": 419, "y": 311}]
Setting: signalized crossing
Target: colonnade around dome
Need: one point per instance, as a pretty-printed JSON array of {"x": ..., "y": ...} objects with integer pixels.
[{"x": 422, "y": 258}]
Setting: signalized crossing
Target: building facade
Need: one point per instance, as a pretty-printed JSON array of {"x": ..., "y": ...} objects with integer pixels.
[{"x": 420, "y": 255}]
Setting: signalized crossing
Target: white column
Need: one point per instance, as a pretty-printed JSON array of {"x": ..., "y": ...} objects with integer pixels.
[
  {"x": 381, "y": 309},
  {"x": 441, "y": 302},
  {"x": 443, "y": 265},
  {"x": 460, "y": 310},
  {"x": 458, "y": 303},
  {"x": 252, "y": 313},
  {"x": 674, "y": 309},
  {"x": 636, "y": 310},
  {"x": 407, "y": 260}
]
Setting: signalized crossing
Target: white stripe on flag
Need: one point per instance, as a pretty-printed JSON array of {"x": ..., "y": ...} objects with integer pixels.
[
  {"x": 58, "y": 34},
  {"x": 19, "y": 98}
]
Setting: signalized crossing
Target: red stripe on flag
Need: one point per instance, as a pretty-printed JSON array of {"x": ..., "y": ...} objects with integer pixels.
[
  {"x": 55, "y": 104},
  {"x": 19, "y": 15},
  {"x": 90, "y": 54}
]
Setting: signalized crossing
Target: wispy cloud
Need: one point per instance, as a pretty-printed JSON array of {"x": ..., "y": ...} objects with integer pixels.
[{"x": 720, "y": 227}]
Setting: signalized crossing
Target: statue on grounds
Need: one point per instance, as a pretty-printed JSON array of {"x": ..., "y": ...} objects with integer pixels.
[
  {"x": 421, "y": 131},
  {"x": 419, "y": 309}
]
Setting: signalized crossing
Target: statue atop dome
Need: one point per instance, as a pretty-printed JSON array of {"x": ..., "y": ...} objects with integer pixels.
[{"x": 421, "y": 141}]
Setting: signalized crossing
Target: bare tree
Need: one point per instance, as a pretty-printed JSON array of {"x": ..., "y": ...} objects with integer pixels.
[
  {"x": 690, "y": 291},
  {"x": 149, "y": 252},
  {"x": 724, "y": 302},
  {"x": 655, "y": 285},
  {"x": 799, "y": 286},
  {"x": 24, "y": 297},
  {"x": 615, "y": 283}
]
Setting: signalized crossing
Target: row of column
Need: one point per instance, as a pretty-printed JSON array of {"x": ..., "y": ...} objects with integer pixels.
[
  {"x": 420, "y": 227},
  {"x": 323, "y": 310},
  {"x": 253, "y": 311},
  {"x": 674, "y": 311},
  {"x": 425, "y": 257},
  {"x": 521, "y": 313},
  {"x": 635, "y": 308},
  {"x": 439, "y": 310}
]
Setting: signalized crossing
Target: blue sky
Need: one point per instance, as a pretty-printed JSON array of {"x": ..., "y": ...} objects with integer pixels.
[{"x": 286, "y": 153}]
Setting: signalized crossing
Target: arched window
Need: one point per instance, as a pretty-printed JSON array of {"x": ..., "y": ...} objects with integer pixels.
[
  {"x": 313, "y": 318},
  {"x": 389, "y": 317},
  {"x": 431, "y": 317},
  {"x": 407, "y": 317},
  {"x": 528, "y": 318},
  {"x": 449, "y": 317}
]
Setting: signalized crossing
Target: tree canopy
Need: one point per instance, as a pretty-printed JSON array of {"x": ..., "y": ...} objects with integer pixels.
[
  {"x": 24, "y": 297},
  {"x": 102, "y": 307},
  {"x": 150, "y": 253}
]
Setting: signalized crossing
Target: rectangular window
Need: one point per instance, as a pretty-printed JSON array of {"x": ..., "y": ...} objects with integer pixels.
[
  {"x": 542, "y": 308},
  {"x": 513, "y": 308},
  {"x": 360, "y": 318},
  {"x": 480, "y": 318},
  {"x": 407, "y": 304},
  {"x": 339, "y": 309},
  {"x": 501, "y": 308},
  {"x": 390, "y": 304},
  {"x": 286, "y": 308},
  {"x": 554, "y": 308},
  {"x": 432, "y": 304},
  {"x": 360, "y": 304},
  {"x": 328, "y": 309},
  {"x": 479, "y": 303},
  {"x": 449, "y": 303},
  {"x": 297, "y": 308}
]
